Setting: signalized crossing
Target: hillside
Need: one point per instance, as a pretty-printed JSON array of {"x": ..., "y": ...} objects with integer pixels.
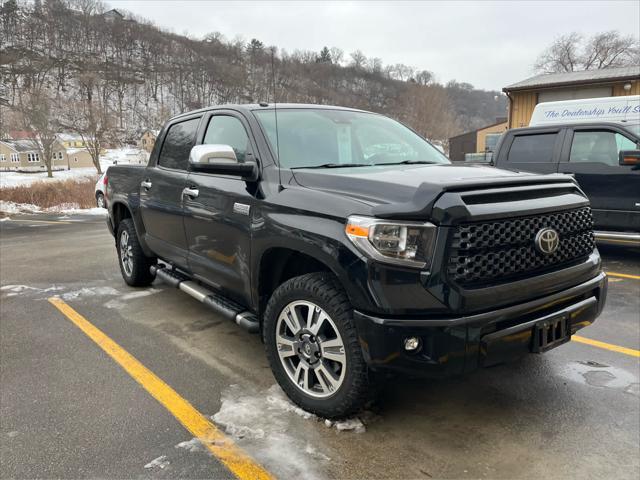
[{"x": 126, "y": 74}]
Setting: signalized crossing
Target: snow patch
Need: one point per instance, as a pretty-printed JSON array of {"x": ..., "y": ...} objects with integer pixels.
[
  {"x": 15, "y": 290},
  {"x": 350, "y": 424},
  {"x": 12, "y": 207},
  {"x": 266, "y": 429},
  {"x": 65, "y": 208},
  {"x": 24, "y": 179},
  {"x": 118, "y": 303},
  {"x": 160, "y": 462},
  {"x": 193, "y": 445},
  {"x": 90, "y": 292},
  {"x": 313, "y": 451}
]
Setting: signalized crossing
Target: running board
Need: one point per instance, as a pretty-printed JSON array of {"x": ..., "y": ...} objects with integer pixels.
[
  {"x": 618, "y": 238},
  {"x": 218, "y": 303}
]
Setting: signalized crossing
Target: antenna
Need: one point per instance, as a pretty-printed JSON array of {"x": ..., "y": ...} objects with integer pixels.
[{"x": 275, "y": 113}]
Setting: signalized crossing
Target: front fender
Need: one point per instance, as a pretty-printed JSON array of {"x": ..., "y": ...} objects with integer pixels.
[{"x": 322, "y": 238}]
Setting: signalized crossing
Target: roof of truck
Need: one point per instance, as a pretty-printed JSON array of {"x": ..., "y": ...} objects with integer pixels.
[{"x": 247, "y": 107}]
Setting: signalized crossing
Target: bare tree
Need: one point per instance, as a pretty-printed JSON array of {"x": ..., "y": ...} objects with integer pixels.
[
  {"x": 563, "y": 55},
  {"x": 40, "y": 118},
  {"x": 610, "y": 49},
  {"x": 337, "y": 55},
  {"x": 572, "y": 52},
  {"x": 88, "y": 7},
  {"x": 93, "y": 125},
  {"x": 358, "y": 59}
]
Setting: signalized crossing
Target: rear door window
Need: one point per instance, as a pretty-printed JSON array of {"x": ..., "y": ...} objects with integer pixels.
[
  {"x": 178, "y": 143},
  {"x": 599, "y": 146},
  {"x": 532, "y": 148}
]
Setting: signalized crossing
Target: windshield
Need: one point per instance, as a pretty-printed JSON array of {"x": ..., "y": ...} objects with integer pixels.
[
  {"x": 316, "y": 138},
  {"x": 633, "y": 129}
]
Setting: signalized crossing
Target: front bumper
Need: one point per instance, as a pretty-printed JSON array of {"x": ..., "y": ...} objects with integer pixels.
[{"x": 456, "y": 345}]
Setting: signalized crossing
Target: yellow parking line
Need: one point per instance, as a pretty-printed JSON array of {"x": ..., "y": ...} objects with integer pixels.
[
  {"x": 606, "y": 346},
  {"x": 623, "y": 275},
  {"x": 37, "y": 221},
  {"x": 236, "y": 460}
]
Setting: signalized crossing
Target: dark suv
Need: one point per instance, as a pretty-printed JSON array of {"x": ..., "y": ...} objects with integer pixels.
[{"x": 353, "y": 246}]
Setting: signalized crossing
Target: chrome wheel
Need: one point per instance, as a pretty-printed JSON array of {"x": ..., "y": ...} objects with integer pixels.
[
  {"x": 126, "y": 253},
  {"x": 311, "y": 349},
  {"x": 100, "y": 201}
]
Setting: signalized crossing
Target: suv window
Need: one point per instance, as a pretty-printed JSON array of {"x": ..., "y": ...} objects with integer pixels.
[
  {"x": 226, "y": 130},
  {"x": 532, "y": 148},
  {"x": 599, "y": 146},
  {"x": 177, "y": 145}
]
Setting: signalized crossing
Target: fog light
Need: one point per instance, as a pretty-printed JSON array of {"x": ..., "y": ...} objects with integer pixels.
[{"x": 411, "y": 344}]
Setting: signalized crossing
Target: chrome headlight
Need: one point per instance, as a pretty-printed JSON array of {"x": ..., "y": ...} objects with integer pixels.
[{"x": 400, "y": 243}]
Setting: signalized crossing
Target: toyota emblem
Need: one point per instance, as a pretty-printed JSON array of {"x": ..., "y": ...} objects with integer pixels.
[{"x": 547, "y": 241}]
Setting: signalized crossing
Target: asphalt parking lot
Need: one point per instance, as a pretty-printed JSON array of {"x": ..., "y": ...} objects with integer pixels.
[{"x": 74, "y": 406}]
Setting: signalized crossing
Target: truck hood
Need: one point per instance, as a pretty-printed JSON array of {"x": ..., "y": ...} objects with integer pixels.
[
  {"x": 392, "y": 184},
  {"x": 404, "y": 189}
]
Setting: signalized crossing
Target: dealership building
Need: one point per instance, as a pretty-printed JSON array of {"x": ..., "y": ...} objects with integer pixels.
[
  {"x": 552, "y": 87},
  {"x": 549, "y": 87}
]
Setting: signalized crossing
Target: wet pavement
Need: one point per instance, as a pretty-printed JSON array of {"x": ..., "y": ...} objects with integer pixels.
[{"x": 69, "y": 411}]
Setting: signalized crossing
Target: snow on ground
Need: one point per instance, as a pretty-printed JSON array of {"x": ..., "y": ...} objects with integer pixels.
[
  {"x": 281, "y": 435},
  {"x": 125, "y": 155},
  {"x": 18, "y": 179},
  {"x": 66, "y": 208},
  {"x": 160, "y": 462}
]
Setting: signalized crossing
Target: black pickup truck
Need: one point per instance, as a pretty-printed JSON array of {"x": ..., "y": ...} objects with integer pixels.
[
  {"x": 603, "y": 157},
  {"x": 354, "y": 247}
]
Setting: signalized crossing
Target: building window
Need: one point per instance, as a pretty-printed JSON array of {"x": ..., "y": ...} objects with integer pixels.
[
  {"x": 75, "y": 159},
  {"x": 33, "y": 157},
  {"x": 15, "y": 158},
  {"x": 3, "y": 157}
]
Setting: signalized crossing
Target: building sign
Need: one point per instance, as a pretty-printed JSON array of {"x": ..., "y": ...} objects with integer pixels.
[{"x": 611, "y": 109}]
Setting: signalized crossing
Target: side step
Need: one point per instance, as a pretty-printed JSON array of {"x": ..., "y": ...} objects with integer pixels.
[
  {"x": 628, "y": 238},
  {"x": 218, "y": 303}
]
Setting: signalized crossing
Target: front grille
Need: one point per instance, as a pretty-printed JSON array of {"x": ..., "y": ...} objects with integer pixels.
[{"x": 490, "y": 252}]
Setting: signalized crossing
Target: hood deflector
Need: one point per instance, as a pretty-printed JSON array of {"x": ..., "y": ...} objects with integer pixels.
[{"x": 426, "y": 195}]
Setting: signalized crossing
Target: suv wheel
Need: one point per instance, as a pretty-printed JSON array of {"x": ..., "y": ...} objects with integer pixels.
[
  {"x": 135, "y": 266},
  {"x": 100, "y": 200},
  {"x": 313, "y": 348}
]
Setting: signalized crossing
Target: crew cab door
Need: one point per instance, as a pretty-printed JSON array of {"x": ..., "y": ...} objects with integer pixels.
[
  {"x": 591, "y": 154},
  {"x": 219, "y": 212},
  {"x": 535, "y": 151},
  {"x": 161, "y": 193}
]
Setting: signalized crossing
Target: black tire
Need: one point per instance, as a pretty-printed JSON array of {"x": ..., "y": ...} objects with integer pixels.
[
  {"x": 324, "y": 290},
  {"x": 137, "y": 272},
  {"x": 100, "y": 203}
]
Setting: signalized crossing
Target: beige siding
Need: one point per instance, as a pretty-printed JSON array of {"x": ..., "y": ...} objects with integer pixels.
[
  {"x": 482, "y": 135},
  {"x": 78, "y": 159},
  {"x": 521, "y": 109},
  {"x": 5, "y": 157},
  {"x": 619, "y": 91}
]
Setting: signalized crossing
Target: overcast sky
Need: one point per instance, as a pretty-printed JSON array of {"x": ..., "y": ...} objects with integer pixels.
[{"x": 487, "y": 44}]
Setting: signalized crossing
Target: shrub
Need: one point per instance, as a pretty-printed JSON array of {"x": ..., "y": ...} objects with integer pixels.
[{"x": 73, "y": 193}]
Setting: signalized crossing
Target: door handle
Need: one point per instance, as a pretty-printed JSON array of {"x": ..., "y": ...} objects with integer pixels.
[
  {"x": 190, "y": 192},
  {"x": 146, "y": 184}
]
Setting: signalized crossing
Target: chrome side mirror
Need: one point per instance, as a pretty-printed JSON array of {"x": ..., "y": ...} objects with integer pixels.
[
  {"x": 208, "y": 154},
  {"x": 221, "y": 160}
]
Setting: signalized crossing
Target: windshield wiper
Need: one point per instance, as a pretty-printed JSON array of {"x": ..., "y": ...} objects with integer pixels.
[
  {"x": 409, "y": 162},
  {"x": 336, "y": 165}
]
